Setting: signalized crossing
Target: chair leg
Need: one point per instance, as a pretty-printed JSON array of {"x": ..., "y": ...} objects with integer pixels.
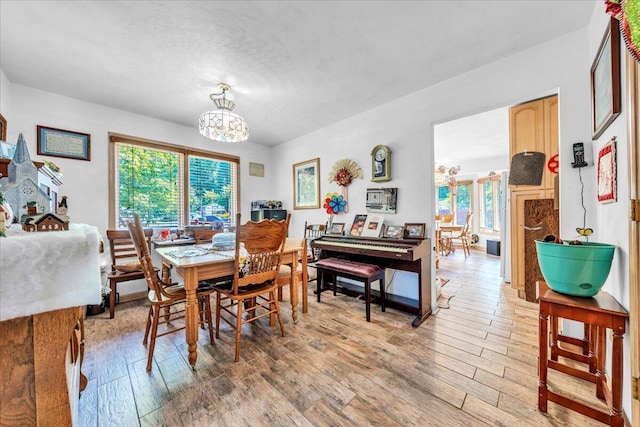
[
  {"x": 154, "y": 333},
  {"x": 238, "y": 328},
  {"x": 148, "y": 327},
  {"x": 113, "y": 285},
  {"x": 305, "y": 291},
  {"x": 207, "y": 313},
  {"x": 218, "y": 315},
  {"x": 277, "y": 306}
]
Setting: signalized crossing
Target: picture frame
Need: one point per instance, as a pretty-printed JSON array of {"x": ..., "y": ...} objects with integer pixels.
[
  {"x": 337, "y": 228},
  {"x": 358, "y": 225},
  {"x": 64, "y": 143},
  {"x": 607, "y": 173},
  {"x": 3, "y": 128},
  {"x": 373, "y": 226},
  {"x": 306, "y": 184},
  {"x": 256, "y": 169},
  {"x": 414, "y": 230},
  {"x": 394, "y": 232},
  {"x": 382, "y": 200},
  {"x": 605, "y": 81}
]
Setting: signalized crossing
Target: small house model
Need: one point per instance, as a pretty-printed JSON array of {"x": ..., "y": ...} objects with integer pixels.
[{"x": 46, "y": 222}]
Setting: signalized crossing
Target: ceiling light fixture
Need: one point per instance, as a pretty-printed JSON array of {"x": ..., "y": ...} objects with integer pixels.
[{"x": 222, "y": 124}]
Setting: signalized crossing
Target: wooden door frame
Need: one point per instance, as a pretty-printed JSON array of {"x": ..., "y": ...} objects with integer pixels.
[{"x": 633, "y": 132}]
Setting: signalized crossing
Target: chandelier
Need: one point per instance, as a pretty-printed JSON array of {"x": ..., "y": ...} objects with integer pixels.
[
  {"x": 222, "y": 124},
  {"x": 446, "y": 176}
]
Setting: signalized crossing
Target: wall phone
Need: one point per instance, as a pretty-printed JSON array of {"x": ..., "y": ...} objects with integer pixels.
[{"x": 578, "y": 156}]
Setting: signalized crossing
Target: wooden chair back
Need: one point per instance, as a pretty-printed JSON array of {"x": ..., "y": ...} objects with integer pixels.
[
  {"x": 121, "y": 246},
  {"x": 263, "y": 244},
  {"x": 144, "y": 256},
  {"x": 204, "y": 236},
  {"x": 467, "y": 224},
  {"x": 311, "y": 232}
]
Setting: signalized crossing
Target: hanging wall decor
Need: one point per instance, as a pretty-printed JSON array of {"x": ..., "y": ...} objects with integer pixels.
[
  {"x": 343, "y": 173},
  {"x": 607, "y": 191}
]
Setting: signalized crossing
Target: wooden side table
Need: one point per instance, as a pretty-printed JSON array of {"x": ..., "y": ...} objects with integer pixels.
[{"x": 598, "y": 313}]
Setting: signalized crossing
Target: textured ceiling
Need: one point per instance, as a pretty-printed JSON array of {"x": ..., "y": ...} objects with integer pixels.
[{"x": 293, "y": 66}]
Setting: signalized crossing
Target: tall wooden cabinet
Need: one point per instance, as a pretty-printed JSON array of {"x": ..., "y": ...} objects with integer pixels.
[{"x": 533, "y": 126}]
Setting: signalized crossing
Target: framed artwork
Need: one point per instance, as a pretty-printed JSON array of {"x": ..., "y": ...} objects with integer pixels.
[
  {"x": 337, "y": 228},
  {"x": 607, "y": 191},
  {"x": 306, "y": 184},
  {"x": 382, "y": 200},
  {"x": 64, "y": 143},
  {"x": 394, "y": 232},
  {"x": 256, "y": 169},
  {"x": 414, "y": 230},
  {"x": 373, "y": 226},
  {"x": 3, "y": 128},
  {"x": 605, "y": 81},
  {"x": 358, "y": 225}
]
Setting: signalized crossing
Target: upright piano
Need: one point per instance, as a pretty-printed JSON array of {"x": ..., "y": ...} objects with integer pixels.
[{"x": 400, "y": 254}]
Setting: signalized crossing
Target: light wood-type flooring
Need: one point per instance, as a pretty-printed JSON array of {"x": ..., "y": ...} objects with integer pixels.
[{"x": 473, "y": 364}]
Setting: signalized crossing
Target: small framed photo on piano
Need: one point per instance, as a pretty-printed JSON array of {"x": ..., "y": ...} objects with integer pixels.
[
  {"x": 394, "y": 232},
  {"x": 414, "y": 230},
  {"x": 337, "y": 228}
]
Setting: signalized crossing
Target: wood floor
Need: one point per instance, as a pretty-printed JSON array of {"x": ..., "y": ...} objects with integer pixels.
[{"x": 472, "y": 364}]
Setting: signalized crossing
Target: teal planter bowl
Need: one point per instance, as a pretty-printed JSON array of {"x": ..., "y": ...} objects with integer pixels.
[{"x": 579, "y": 270}]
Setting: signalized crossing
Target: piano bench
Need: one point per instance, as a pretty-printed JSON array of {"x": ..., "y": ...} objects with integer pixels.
[{"x": 358, "y": 271}]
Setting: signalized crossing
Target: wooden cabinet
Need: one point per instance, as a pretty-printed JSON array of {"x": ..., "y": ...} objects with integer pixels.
[
  {"x": 533, "y": 126},
  {"x": 41, "y": 356}
]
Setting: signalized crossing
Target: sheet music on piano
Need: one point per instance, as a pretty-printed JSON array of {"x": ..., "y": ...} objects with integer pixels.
[{"x": 399, "y": 254}]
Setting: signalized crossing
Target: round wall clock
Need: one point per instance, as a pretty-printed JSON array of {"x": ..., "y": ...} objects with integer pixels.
[{"x": 381, "y": 163}]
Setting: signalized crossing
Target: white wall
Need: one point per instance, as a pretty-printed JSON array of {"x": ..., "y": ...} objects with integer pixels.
[
  {"x": 406, "y": 125},
  {"x": 86, "y": 183}
]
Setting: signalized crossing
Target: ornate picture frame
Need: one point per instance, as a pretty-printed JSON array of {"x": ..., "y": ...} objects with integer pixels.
[
  {"x": 607, "y": 173},
  {"x": 605, "y": 81},
  {"x": 306, "y": 184},
  {"x": 64, "y": 143}
]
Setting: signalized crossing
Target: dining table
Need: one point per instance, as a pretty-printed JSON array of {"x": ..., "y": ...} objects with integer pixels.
[{"x": 194, "y": 263}]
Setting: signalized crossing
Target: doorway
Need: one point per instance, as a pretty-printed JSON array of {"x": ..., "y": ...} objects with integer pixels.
[{"x": 471, "y": 157}]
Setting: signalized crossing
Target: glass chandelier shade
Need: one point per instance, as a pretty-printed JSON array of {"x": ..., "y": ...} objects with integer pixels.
[{"x": 222, "y": 124}]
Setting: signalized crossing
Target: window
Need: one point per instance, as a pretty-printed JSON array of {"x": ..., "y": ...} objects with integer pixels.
[
  {"x": 490, "y": 204},
  {"x": 456, "y": 202},
  {"x": 170, "y": 186}
]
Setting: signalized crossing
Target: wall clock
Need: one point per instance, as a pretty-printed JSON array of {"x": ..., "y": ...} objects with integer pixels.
[{"x": 381, "y": 163}]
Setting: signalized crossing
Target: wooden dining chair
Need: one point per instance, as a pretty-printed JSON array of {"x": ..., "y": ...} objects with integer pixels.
[
  {"x": 464, "y": 236},
  {"x": 124, "y": 262},
  {"x": 286, "y": 275},
  {"x": 167, "y": 299},
  {"x": 311, "y": 232},
  {"x": 258, "y": 254},
  {"x": 204, "y": 236}
]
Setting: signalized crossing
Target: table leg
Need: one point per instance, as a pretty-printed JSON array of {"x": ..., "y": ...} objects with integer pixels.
[
  {"x": 616, "y": 378},
  {"x": 592, "y": 340},
  {"x": 554, "y": 337},
  {"x": 191, "y": 314},
  {"x": 600, "y": 344},
  {"x": 542, "y": 359},
  {"x": 293, "y": 288}
]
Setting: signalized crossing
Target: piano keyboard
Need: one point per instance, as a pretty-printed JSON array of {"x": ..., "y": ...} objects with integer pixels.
[{"x": 363, "y": 245}]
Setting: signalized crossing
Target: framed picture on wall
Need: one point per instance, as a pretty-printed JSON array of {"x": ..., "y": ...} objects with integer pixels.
[
  {"x": 64, "y": 143},
  {"x": 306, "y": 184},
  {"x": 605, "y": 81},
  {"x": 607, "y": 175}
]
